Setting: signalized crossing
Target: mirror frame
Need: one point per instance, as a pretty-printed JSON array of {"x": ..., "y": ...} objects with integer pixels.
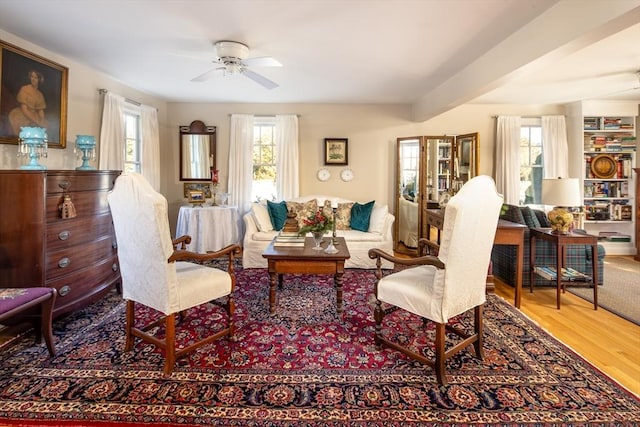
[
  {"x": 473, "y": 140},
  {"x": 197, "y": 127}
]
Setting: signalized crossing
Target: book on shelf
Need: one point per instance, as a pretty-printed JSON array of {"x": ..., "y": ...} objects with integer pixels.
[{"x": 568, "y": 274}]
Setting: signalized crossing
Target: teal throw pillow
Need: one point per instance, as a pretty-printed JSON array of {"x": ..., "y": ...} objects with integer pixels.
[
  {"x": 277, "y": 213},
  {"x": 360, "y": 216}
]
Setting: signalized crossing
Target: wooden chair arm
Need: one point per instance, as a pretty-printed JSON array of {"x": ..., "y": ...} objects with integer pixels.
[
  {"x": 422, "y": 260},
  {"x": 183, "y": 241},
  {"x": 230, "y": 251}
]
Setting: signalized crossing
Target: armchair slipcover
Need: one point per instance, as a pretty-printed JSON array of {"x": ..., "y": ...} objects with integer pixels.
[
  {"x": 438, "y": 288},
  {"x": 154, "y": 274}
]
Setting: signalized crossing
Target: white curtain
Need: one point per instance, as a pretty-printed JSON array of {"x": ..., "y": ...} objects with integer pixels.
[
  {"x": 555, "y": 147},
  {"x": 111, "y": 148},
  {"x": 507, "y": 158},
  {"x": 287, "y": 182},
  {"x": 241, "y": 160},
  {"x": 150, "y": 158}
]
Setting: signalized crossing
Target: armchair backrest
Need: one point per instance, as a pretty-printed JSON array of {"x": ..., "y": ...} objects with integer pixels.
[
  {"x": 470, "y": 222},
  {"x": 140, "y": 219}
]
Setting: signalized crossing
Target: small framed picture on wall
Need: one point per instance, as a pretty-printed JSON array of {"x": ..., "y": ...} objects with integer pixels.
[{"x": 335, "y": 151}]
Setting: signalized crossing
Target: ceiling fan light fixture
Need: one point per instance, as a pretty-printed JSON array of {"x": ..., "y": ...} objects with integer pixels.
[{"x": 229, "y": 50}]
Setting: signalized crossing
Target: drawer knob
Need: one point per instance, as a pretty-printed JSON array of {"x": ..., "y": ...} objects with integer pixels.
[
  {"x": 64, "y": 262},
  {"x": 114, "y": 266},
  {"x": 114, "y": 244},
  {"x": 64, "y": 290},
  {"x": 64, "y": 235}
]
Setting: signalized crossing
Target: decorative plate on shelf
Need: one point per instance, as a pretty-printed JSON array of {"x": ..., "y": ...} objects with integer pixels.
[{"x": 604, "y": 166}]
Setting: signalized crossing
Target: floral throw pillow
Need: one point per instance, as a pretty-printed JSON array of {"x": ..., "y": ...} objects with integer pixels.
[
  {"x": 303, "y": 210},
  {"x": 343, "y": 214}
]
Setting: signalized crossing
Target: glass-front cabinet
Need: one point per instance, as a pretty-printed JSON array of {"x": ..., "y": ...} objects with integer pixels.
[{"x": 428, "y": 169}]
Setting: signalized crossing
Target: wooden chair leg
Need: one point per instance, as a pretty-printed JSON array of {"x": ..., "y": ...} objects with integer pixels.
[
  {"x": 439, "y": 365},
  {"x": 231, "y": 308},
  {"x": 170, "y": 341},
  {"x": 46, "y": 319},
  {"x": 130, "y": 323},
  {"x": 479, "y": 329},
  {"x": 378, "y": 314}
]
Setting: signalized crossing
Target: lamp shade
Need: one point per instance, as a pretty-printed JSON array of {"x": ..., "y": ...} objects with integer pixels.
[{"x": 561, "y": 192}]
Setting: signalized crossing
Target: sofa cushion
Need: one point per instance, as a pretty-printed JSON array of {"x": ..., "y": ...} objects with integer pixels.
[
  {"x": 543, "y": 219},
  {"x": 512, "y": 213},
  {"x": 378, "y": 216},
  {"x": 277, "y": 213},
  {"x": 361, "y": 216},
  {"x": 343, "y": 214},
  {"x": 530, "y": 218},
  {"x": 303, "y": 210},
  {"x": 261, "y": 216}
]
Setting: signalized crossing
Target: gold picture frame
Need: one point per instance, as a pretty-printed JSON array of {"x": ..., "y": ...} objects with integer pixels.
[
  {"x": 200, "y": 186},
  {"x": 336, "y": 151},
  {"x": 25, "y": 77},
  {"x": 196, "y": 197}
]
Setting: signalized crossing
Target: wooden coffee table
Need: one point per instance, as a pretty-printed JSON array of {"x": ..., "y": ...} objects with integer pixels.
[{"x": 305, "y": 260}]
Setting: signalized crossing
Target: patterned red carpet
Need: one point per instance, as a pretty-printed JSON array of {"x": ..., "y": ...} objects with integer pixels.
[{"x": 304, "y": 366}]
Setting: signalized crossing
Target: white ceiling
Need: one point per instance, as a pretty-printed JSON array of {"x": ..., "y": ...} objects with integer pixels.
[{"x": 420, "y": 52}]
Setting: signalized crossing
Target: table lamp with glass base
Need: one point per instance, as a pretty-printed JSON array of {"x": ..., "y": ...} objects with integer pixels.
[{"x": 562, "y": 193}]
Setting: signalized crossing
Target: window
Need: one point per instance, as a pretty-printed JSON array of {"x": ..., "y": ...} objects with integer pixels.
[
  {"x": 531, "y": 169},
  {"x": 264, "y": 159},
  {"x": 132, "y": 154}
]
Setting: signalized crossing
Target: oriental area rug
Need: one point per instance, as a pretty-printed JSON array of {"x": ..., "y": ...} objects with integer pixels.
[{"x": 304, "y": 366}]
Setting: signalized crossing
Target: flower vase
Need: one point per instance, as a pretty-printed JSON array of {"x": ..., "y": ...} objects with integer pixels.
[{"x": 317, "y": 238}]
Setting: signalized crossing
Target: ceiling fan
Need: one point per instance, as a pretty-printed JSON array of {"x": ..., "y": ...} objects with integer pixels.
[{"x": 233, "y": 59}]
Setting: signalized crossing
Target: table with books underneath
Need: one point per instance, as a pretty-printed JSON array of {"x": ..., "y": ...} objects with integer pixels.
[
  {"x": 568, "y": 276},
  {"x": 292, "y": 254}
]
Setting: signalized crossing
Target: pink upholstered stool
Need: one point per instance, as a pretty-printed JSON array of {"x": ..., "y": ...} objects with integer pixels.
[{"x": 16, "y": 300}]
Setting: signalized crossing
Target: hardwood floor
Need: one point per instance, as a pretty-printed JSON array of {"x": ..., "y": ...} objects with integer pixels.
[{"x": 607, "y": 341}]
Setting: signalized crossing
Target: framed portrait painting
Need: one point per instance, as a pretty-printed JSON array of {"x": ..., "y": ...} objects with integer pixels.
[
  {"x": 335, "y": 151},
  {"x": 33, "y": 93}
]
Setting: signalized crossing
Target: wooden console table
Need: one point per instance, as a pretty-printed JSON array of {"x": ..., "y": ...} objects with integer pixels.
[
  {"x": 562, "y": 241},
  {"x": 507, "y": 233}
]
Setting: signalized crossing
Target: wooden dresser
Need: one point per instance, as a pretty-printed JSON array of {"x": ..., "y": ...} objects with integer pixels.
[{"x": 77, "y": 256}]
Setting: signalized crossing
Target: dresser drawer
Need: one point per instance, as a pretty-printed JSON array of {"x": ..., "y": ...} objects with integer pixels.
[
  {"x": 79, "y": 181},
  {"x": 87, "y": 203},
  {"x": 78, "y": 287},
  {"x": 68, "y": 260},
  {"x": 70, "y": 232}
]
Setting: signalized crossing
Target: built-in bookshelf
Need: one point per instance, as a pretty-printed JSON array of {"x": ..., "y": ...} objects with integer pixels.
[{"x": 609, "y": 157}]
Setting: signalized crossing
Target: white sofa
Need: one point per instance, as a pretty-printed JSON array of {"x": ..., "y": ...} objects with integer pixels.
[{"x": 359, "y": 242}]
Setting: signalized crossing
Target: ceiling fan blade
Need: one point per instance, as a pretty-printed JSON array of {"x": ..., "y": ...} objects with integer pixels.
[
  {"x": 206, "y": 76},
  {"x": 259, "y": 79},
  {"x": 263, "y": 61}
]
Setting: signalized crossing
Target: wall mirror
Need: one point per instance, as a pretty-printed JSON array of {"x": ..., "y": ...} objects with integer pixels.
[
  {"x": 466, "y": 157},
  {"x": 197, "y": 151}
]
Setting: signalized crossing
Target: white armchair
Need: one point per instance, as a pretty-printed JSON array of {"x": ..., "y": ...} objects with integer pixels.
[
  {"x": 154, "y": 274},
  {"x": 441, "y": 287}
]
